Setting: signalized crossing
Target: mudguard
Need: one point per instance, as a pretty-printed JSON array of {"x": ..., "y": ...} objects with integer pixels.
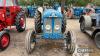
[{"x": 87, "y": 19}]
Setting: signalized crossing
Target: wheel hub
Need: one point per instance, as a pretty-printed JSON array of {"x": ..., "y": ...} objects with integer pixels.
[
  {"x": 5, "y": 40},
  {"x": 22, "y": 22},
  {"x": 32, "y": 45}
]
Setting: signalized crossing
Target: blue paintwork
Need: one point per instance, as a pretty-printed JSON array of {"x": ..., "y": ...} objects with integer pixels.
[
  {"x": 56, "y": 5},
  {"x": 78, "y": 11},
  {"x": 54, "y": 36},
  {"x": 31, "y": 10},
  {"x": 97, "y": 10},
  {"x": 52, "y": 14},
  {"x": 48, "y": 13}
]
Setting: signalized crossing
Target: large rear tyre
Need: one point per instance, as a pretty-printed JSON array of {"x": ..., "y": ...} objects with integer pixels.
[
  {"x": 70, "y": 42},
  {"x": 64, "y": 23},
  {"x": 4, "y": 40},
  {"x": 38, "y": 22},
  {"x": 20, "y": 22},
  {"x": 30, "y": 41},
  {"x": 97, "y": 39}
]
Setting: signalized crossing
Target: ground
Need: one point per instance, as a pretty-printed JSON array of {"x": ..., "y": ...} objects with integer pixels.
[{"x": 17, "y": 48}]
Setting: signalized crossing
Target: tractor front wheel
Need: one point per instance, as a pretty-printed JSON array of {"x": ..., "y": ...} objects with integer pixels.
[
  {"x": 69, "y": 42},
  {"x": 97, "y": 39},
  {"x": 4, "y": 40},
  {"x": 82, "y": 26},
  {"x": 30, "y": 41}
]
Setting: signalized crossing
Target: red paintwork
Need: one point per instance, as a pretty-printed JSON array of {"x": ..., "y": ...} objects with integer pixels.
[
  {"x": 8, "y": 20},
  {"x": 22, "y": 22}
]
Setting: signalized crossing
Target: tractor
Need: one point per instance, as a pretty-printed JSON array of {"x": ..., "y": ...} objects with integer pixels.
[
  {"x": 50, "y": 24},
  {"x": 90, "y": 24},
  {"x": 97, "y": 10},
  {"x": 78, "y": 11},
  {"x": 31, "y": 10},
  {"x": 10, "y": 15}
]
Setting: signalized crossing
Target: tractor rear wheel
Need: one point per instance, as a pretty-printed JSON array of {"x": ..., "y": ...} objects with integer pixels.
[
  {"x": 70, "y": 42},
  {"x": 64, "y": 24},
  {"x": 97, "y": 39},
  {"x": 63, "y": 27},
  {"x": 20, "y": 23},
  {"x": 4, "y": 40},
  {"x": 38, "y": 22},
  {"x": 30, "y": 41}
]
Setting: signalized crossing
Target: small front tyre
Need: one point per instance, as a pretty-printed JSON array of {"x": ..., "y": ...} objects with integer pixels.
[
  {"x": 97, "y": 39},
  {"x": 30, "y": 41},
  {"x": 4, "y": 40},
  {"x": 70, "y": 42},
  {"x": 82, "y": 26}
]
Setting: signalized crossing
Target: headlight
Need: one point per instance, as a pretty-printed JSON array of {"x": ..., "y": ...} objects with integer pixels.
[
  {"x": 48, "y": 27},
  {"x": 57, "y": 27}
]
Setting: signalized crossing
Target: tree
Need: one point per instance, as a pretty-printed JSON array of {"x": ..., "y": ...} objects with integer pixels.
[{"x": 22, "y": 2}]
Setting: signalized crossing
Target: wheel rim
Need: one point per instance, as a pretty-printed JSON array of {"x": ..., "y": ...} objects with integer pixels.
[
  {"x": 22, "y": 22},
  {"x": 97, "y": 40},
  {"x": 5, "y": 40}
]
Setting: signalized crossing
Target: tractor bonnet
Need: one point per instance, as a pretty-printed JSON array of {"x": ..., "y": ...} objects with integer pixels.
[{"x": 51, "y": 13}]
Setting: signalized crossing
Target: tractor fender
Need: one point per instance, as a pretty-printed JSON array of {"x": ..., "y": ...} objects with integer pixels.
[
  {"x": 95, "y": 32},
  {"x": 40, "y": 9},
  {"x": 20, "y": 13},
  {"x": 88, "y": 20}
]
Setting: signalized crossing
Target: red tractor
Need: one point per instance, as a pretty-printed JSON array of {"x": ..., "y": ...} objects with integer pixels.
[{"x": 10, "y": 15}]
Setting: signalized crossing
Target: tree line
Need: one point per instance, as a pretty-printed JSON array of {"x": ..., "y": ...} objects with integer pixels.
[{"x": 51, "y": 2}]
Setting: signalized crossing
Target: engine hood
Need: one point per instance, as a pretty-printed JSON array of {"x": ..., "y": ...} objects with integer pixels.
[{"x": 52, "y": 13}]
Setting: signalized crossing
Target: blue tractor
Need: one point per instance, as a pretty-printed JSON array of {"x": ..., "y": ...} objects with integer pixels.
[
  {"x": 97, "y": 10},
  {"x": 78, "y": 11},
  {"x": 50, "y": 24},
  {"x": 31, "y": 11}
]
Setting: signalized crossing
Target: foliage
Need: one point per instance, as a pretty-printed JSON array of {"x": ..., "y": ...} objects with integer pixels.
[{"x": 51, "y": 2}]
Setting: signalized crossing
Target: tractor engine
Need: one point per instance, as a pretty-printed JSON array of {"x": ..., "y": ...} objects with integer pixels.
[{"x": 52, "y": 23}]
